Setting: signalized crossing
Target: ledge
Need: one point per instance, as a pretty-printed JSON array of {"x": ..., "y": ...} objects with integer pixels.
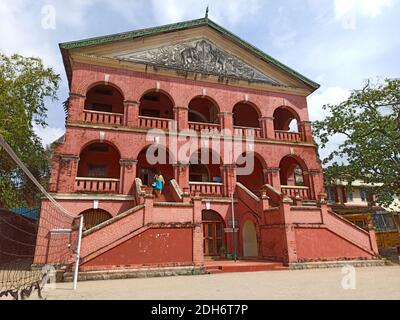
[
  {"x": 144, "y": 130},
  {"x": 336, "y": 264},
  {"x": 94, "y": 196}
]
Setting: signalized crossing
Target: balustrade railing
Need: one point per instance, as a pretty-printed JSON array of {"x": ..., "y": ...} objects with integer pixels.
[
  {"x": 206, "y": 188},
  {"x": 97, "y": 185},
  {"x": 99, "y": 117}
]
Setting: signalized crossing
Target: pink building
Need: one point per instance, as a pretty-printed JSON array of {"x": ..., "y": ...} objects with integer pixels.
[{"x": 192, "y": 75}]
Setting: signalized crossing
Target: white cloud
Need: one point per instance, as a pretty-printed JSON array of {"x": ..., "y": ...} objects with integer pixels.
[
  {"x": 331, "y": 95},
  {"x": 48, "y": 134},
  {"x": 347, "y": 11}
]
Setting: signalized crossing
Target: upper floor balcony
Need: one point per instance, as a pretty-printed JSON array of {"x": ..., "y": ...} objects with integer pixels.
[
  {"x": 100, "y": 170},
  {"x": 105, "y": 105}
]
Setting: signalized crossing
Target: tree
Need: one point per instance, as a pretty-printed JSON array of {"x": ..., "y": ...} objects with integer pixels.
[
  {"x": 25, "y": 87},
  {"x": 370, "y": 123}
]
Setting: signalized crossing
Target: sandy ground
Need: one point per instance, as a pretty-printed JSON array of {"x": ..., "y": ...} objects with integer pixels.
[{"x": 371, "y": 283}]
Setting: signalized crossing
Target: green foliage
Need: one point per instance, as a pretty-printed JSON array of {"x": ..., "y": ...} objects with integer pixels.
[
  {"x": 25, "y": 86},
  {"x": 370, "y": 122}
]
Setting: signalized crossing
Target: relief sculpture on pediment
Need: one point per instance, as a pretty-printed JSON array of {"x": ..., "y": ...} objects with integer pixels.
[{"x": 199, "y": 56}]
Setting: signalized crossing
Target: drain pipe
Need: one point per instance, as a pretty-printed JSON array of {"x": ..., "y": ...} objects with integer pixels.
[{"x": 234, "y": 230}]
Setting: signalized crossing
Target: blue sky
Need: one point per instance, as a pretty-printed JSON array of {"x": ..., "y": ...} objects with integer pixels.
[{"x": 338, "y": 43}]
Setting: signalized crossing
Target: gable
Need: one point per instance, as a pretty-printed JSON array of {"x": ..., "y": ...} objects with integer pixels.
[
  {"x": 197, "y": 47},
  {"x": 199, "y": 55}
]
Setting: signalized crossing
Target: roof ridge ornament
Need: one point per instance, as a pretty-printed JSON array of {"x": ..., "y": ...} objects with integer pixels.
[{"x": 207, "y": 9}]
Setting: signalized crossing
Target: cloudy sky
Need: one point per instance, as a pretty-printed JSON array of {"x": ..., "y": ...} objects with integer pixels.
[{"x": 337, "y": 43}]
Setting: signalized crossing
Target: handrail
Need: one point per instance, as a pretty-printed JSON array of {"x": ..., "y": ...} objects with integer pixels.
[
  {"x": 155, "y": 118},
  {"x": 205, "y": 123},
  {"x": 206, "y": 183},
  {"x": 295, "y": 187},
  {"x": 248, "y": 191},
  {"x": 96, "y": 179},
  {"x": 250, "y": 128},
  {"x": 291, "y": 132},
  {"x": 103, "y": 112},
  {"x": 177, "y": 188}
]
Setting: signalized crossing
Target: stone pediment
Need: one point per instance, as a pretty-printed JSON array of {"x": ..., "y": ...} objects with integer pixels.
[{"x": 200, "y": 56}]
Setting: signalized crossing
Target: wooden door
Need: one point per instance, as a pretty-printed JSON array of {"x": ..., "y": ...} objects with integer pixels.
[{"x": 213, "y": 237}]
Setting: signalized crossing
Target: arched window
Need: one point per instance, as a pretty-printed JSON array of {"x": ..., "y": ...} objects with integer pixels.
[
  {"x": 203, "y": 110},
  {"x": 285, "y": 119},
  {"x": 156, "y": 105},
  {"x": 246, "y": 115},
  {"x": 291, "y": 172},
  {"x": 94, "y": 217},
  {"x": 205, "y": 167},
  {"x": 99, "y": 160},
  {"x": 104, "y": 98}
]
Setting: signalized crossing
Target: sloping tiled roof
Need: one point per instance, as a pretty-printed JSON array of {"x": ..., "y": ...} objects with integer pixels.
[{"x": 182, "y": 26}]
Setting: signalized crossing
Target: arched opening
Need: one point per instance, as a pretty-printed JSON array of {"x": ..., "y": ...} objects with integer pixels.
[
  {"x": 286, "y": 119},
  {"x": 213, "y": 233},
  {"x": 99, "y": 160},
  {"x": 250, "y": 172},
  {"x": 146, "y": 169},
  {"x": 292, "y": 172},
  {"x": 250, "y": 248},
  {"x": 156, "y": 105},
  {"x": 204, "y": 166},
  {"x": 153, "y": 161},
  {"x": 246, "y": 115},
  {"x": 94, "y": 217},
  {"x": 203, "y": 110},
  {"x": 104, "y": 98}
]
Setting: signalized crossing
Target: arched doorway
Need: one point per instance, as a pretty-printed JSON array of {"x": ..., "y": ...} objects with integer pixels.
[
  {"x": 250, "y": 172},
  {"x": 213, "y": 233},
  {"x": 146, "y": 170},
  {"x": 205, "y": 166},
  {"x": 94, "y": 217},
  {"x": 250, "y": 248}
]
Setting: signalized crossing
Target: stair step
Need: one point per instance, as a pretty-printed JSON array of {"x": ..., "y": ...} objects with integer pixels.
[{"x": 233, "y": 268}]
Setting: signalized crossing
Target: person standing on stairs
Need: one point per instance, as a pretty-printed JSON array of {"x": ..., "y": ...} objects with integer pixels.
[{"x": 158, "y": 184}]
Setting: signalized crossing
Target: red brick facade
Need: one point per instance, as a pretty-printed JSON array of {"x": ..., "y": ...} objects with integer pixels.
[{"x": 99, "y": 165}]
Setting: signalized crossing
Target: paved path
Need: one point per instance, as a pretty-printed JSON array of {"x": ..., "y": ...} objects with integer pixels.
[{"x": 371, "y": 283}]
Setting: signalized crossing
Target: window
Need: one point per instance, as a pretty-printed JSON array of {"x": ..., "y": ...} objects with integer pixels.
[
  {"x": 104, "y": 92},
  {"x": 298, "y": 176},
  {"x": 98, "y": 147},
  {"x": 350, "y": 195},
  {"x": 364, "y": 195},
  {"x": 102, "y": 107},
  {"x": 331, "y": 194},
  {"x": 384, "y": 222},
  {"x": 97, "y": 171},
  {"x": 360, "y": 223},
  {"x": 151, "y": 97},
  {"x": 152, "y": 113}
]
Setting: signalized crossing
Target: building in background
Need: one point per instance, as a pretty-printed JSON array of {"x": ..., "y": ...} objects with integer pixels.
[{"x": 356, "y": 203}]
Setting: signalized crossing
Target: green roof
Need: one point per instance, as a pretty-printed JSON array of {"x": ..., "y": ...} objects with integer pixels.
[{"x": 182, "y": 26}]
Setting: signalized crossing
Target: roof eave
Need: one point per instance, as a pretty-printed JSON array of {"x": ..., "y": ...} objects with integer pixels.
[{"x": 66, "y": 46}]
